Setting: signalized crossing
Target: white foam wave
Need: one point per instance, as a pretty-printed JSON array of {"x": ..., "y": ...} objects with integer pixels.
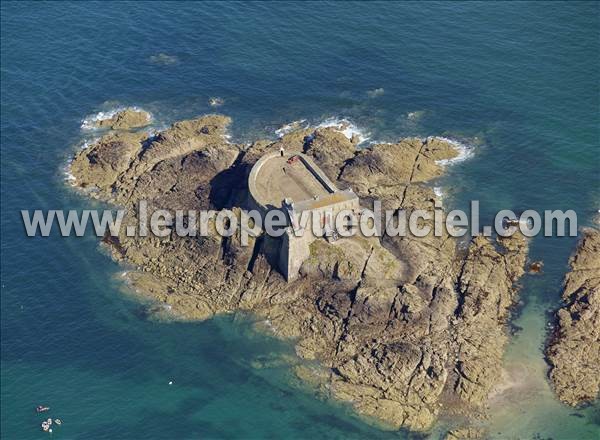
[
  {"x": 154, "y": 130},
  {"x": 415, "y": 116},
  {"x": 215, "y": 101},
  {"x": 346, "y": 127},
  {"x": 88, "y": 143},
  {"x": 464, "y": 151},
  {"x": 439, "y": 192},
  {"x": 375, "y": 92},
  {"x": 288, "y": 128},
  {"x": 163, "y": 58},
  {"x": 90, "y": 121},
  {"x": 69, "y": 177}
]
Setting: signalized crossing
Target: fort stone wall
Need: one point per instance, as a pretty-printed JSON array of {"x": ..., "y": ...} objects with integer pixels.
[{"x": 294, "y": 250}]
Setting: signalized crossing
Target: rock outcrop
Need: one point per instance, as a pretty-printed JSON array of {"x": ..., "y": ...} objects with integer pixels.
[
  {"x": 404, "y": 327},
  {"x": 124, "y": 120},
  {"x": 574, "y": 349}
]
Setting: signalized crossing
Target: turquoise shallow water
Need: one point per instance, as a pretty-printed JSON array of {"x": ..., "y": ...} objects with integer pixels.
[{"x": 522, "y": 77}]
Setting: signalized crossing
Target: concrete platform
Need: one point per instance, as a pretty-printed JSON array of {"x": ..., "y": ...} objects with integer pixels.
[{"x": 278, "y": 179}]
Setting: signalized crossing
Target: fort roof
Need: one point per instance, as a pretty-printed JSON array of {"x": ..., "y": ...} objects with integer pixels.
[
  {"x": 276, "y": 177},
  {"x": 322, "y": 202}
]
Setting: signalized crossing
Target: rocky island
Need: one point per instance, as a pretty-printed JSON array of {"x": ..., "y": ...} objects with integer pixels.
[
  {"x": 574, "y": 349},
  {"x": 122, "y": 120},
  {"x": 406, "y": 329}
]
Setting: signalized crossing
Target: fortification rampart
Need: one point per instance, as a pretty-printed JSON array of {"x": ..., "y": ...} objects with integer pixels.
[
  {"x": 276, "y": 177},
  {"x": 256, "y": 201}
]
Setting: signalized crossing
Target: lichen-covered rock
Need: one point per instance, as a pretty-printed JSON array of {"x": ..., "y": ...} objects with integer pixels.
[
  {"x": 409, "y": 161},
  {"x": 486, "y": 282},
  {"x": 189, "y": 163},
  {"x": 99, "y": 165},
  {"x": 405, "y": 328},
  {"x": 439, "y": 148},
  {"x": 331, "y": 149},
  {"x": 574, "y": 350},
  {"x": 182, "y": 138}
]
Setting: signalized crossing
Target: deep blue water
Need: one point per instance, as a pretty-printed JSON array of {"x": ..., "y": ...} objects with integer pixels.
[{"x": 521, "y": 77}]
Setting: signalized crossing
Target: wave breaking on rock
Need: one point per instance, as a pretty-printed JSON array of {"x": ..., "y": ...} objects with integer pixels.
[{"x": 122, "y": 118}]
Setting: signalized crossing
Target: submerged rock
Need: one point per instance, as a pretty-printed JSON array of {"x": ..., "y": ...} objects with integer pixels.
[
  {"x": 405, "y": 328},
  {"x": 574, "y": 349},
  {"x": 163, "y": 58},
  {"x": 536, "y": 267}
]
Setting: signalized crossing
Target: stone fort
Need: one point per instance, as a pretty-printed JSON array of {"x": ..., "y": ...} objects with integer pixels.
[{"x": 294, "y": 184}]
